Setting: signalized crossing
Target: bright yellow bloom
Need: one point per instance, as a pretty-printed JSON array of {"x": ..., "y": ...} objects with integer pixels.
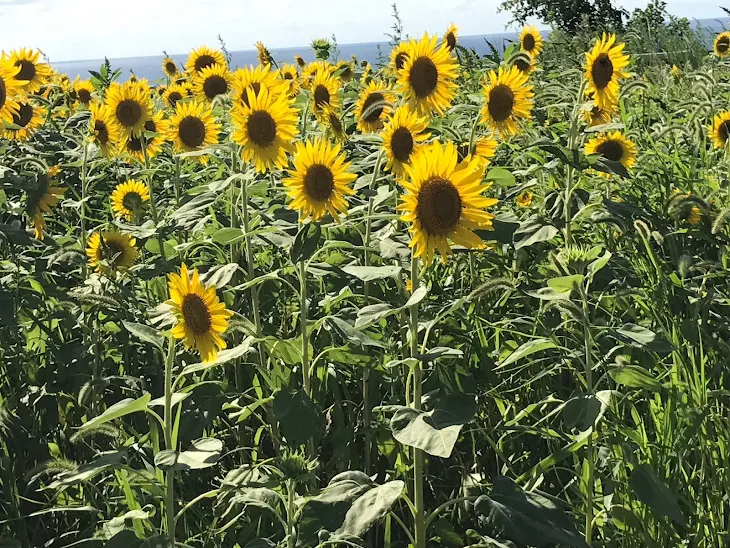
[
  {"x": 128, "y": 198},
  {"x": 531, "y": 41},
  {"x": 603, "y": 70},
  {"x": 403, "y": 137},
  {"x": 508, "y": 100},
  {"x": 114, "y": 249},
  {"x": 373, "y": 107},
  {"x": 191, "y": 128}
]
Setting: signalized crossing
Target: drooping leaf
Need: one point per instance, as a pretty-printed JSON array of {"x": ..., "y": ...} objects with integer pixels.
[
  {"x": 370, "y": 508},
  {"x": 530, "y": 347},
  {"x": 119, "y": 409},
  {"x": 532, "y": 231},
  {"x": 635, "y": 377},
  {"x": 203, "y": 453},
  {"x": 655, "y": 494},
  {"x": 370, "y": 273},
  {"x": 305, "y": 242},
  {"x": 146, "y": 333}
]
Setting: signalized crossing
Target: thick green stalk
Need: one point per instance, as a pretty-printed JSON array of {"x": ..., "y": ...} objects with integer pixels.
[
  {"x": 304, "y": 320},
  {"x": 590, "y": 481},
  {"x": 176, "y": 181},
  {"x": 290, "y": 492},
  {"x": 418, "y": 460},
  {"x": 84, "y": 192},
  {"x": 153, "y": 202},
  {"x": 170, "y": 475}
]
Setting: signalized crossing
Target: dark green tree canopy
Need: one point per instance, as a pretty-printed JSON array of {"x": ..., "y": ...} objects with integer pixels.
[{"x": 568, "y": 15}]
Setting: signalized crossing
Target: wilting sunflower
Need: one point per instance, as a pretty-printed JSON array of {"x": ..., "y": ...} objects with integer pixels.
[
  {"x": 335, "y": 126},
  {"x": 508, "y": 100},
  {"x": 265, "y": 129},
  {"x": 531, "y": 41},
  {"x": 325, "y": 94},
  {"x": 451, "y": 37},
  {"x": 212, "y": 82},
  {"x": 169, "y": 66},
  {"x": 111, "y": 248},
  {"x": 191, "y": 128},
  {"x": 603, "y": 69},
  {"x": 721, "y": 46},
  {"x": 201, "y": 316},
  {"x": 263, "y": 54},
  {"x": 398, "y": 56},
  {"x": 289, "y": 76},
  {"x": 614, "y": 147},
  {"x": 524, "y": 198},
  {"x": 373, "y": 107},
  {"x": 444, "y": 201},
  {"x": 173, "y": 94},
  {"x": 32, "y": 74},
  {"x": 253, "y": 78},
  {"x": 720, "y": 129},
  {"x": 153, "y": 140},
  {"x": 28, "y": 119},
  {"x": 128, "y": 198},
  {"x": 83, "y": 91},
  {"x": 403, "y": 136},
  {"x": 596, "y": 116},
  {"x": 319, "y": 181},
  {"x": 427, "y": 78},
  {"x": 130, "y": 107},
  {"x": 40, "y": 200},
  {"x": 204, "y": 57},
  {"x": 9, "y": 89},
  {"x": 102, "y": 130}
]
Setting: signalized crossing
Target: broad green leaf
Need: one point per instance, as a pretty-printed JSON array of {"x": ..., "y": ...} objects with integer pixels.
[
  {"x": 146, "y": 333},
  {"x": 641, "y": 337},
  {"x": 533, "y": 231},
  {"x": 566, "y": 284},
  {"x": 177, "y": 397},
  {"x": 203, "y": 453},
  {"x": 501, "y": 177},
  {"x": 297, "y": 415},
  {"x": 369, "y": 273},
  {"x": 657, "y": 496},
  {"x": 166, "y": 459},
  {"x": 530, "y": 347},
  {"x": 549, "y": 294},
  {"x": 305, "y": 242},
  {"x": 418, "y": 295},
  {"x": 635, "y": 377},
  {"x": 228, "y": 235},
  {"x": 220, "y": 276},
  {"x": 373, "y": 313},
  {"x": 119, "y": 409},
  {"x": 88, "y": 471},
  {"x": 581, "y": 412},
  {"x": 370, "y": 508},
  {"x": 224, "y": 356}
]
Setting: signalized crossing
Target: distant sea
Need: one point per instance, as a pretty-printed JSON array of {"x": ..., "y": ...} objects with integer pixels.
[{"x": 151, "y": 67}]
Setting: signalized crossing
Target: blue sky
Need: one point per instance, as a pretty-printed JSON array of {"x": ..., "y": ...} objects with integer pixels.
[{"x": 82, "y": 29}]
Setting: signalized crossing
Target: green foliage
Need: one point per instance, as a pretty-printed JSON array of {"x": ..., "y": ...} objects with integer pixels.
[{"x": 568, "y": 15}]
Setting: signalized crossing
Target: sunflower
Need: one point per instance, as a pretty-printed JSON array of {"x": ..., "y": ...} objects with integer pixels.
[
  {"x": 29, "y": 118},
  {"x": 212, "y": 82},
  {"x": 427, "y": 78},
  {"x": 604, "y": 68},
  {"x": 524, "y": 63},
  {"x": 319, "y": 181},
  {"x": 451, "y": 37},
  {"x": 111, "y": 248},
  {"x": 720, "y": 129},
  {"x": 153, "y": 140},
  {"x": 325, "y": 93},
  {"x": 398, "y": 56},
  {"x": 335, "y": 126},
  {"x": 444, "y": 201},
  {"x": 32, "y": 74},
  {"x": 373, "y": 107},
  {"x": 82, "y": 92},
  {"x": 344, "y": 71},
  {"x": 173, "y": 94},
  {"x": 403, "y": 136},
  {"x": 192, "y": 127},
  {"x": 531, "y": 41},
  {"x": 130, "y": 107},
  {"x": 169, "y": 66},
  {"x": 299, "y": 60},
  {"x": 40, "y": 200},
  {"x": 524, "y": 198},
  {"x": 721, "y": 46},
  {"x": 103, "y": 132},
  {"x": 508, "y": 100},
  {"x": 9, "y": 89},
  {"x": 128, "y": 198},
  {"x": 694, "y": 216},
  {"x": 265, "y": 129},
  {"x": 253, "y": 78},
  {"x": 310, "y": 72},
  {"x": 676, "y": 73},
  {"x": 484, "y": 149},
  {"x": 263, "y": 54},
  {"x": 596, "y": 116},
  {"x": 614, "y": 147},
  {"x": 204, "y": 57},
  {"x": 289, "y": 76}
]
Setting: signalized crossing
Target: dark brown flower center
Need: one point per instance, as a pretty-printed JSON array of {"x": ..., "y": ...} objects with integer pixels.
[
  {"x": 84, "y": 95},
  {"x": 112, "y": 251},
  {"x": 611, "y": 150},
  {"x": 372, "y": 108},
  {"x": 191, "y": 131},
  {"x": 132, "y": 201},
  {"x": 261, "y": 128},
  {"x": 214, "y": 86},
  {"x": 196, "y": 314},
  {"x": 301, "y": 62},
  {"x": 522, "y": 64},
  {"x": 602, "y": 71},
  {"x": 723, "y": 131},
  {"x": 450, "y": 41},
  {"x": 102, "y": 132},
  {"x": 255, "y": 87},
  {"x": 528, "y": 42},
  {"x": 501, "y": 102},
  {"x": 723, "y": 44},
  {"x": 27, "y": 70},
  {"x": 24, "y": 116},
  {"x": 171, "y": 67},
  {"x": 174, "y": 97},
  {"x": 401, "y": 144},
  {"x": 423, "y": 77},
  {"x": 203, "y": 62},
  {"x": 439, "y": 207},
  {"x": 319, "y": 182},
  {"x": 400, "y": 60},
  {"x": 335, "y": 123},
  {"x": 129, "y": 112},
  {"x": 288, "y": 76},
  {"x": 321, "y": 96},
  {"x": 3, "y": 93}
]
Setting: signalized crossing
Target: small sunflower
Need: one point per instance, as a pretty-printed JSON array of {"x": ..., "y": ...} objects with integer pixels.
[
  {"x": 403, "y": 136},
  {"x": 325, "y": 93},
  {"x": 721, "y": 46},
  {"x": 153, "y": 140},
  {"x": 676, "y": 73},
  {"x": 614, "y": 147},
  {"x": 508, "y": 100},
  {"x": 204, "y": 57},
  {"x": 299, "y": 60},
  {"x": 290, "y": 78},
  {"x": 531, "y": 41},
  {"x": 484, "y": 149},
  {"x": 263, "y": 54},
  {"x": 201, "y": 316},
  {"x": 10, "y": 88},
  {"x": 373, "y": 107},
  {"x": 265, "y": 129},
  {"x": 694, "y": 216},
  {"x": 192, "y": 127},
  {"x": 398, "y": 56},
  {"x": 451, "y": 37},
  {"x": 603, "y": 70},
  {"x": 169, "y": 67},
  {"x": 40, "y": 200},
  {"x": 114, "y": 249},
  {"x": 173, "y": 94},
  {"x": 720, "y": 129},
  {"x": 524, "y": 198},
  {"x": 32, "y": 74},
  {"x": 335, "y": 126},
  {"x": 253, "y": 78},
  {"x": 130, "y": 106},
  {"x": 524, "y": 63},
  {"x": 128, "y": 198},
  {"x": 102, "y": 129},
  {"x": 427, "y": 78},
  {"x": 212, "y": 82},
  {"x": 310, "y": 72},
  {"x": 444, "y": 201},
  {"x": 83, "y": 90},
  {"x": 344, "y": 71},
  {"x": 28, "y": 119},
  {"x": 319, "y": 181}
]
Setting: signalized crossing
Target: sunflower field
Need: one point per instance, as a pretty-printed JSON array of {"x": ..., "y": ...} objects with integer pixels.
[{"x": 442, "y": 301}]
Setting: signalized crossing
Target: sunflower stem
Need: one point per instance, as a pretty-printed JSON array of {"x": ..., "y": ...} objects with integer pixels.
[
  {"x": 177, "y": 182},
  {"x": 572, "y": 137},
  {"x": 170, "y": 475},
  {"x": 590, "y": 480},
  {"x": 290, "y": 493},
  {"x": 84, "y": 191},
  {"x": 153, "y": 204},
  {"x": 304, "y": 311}
]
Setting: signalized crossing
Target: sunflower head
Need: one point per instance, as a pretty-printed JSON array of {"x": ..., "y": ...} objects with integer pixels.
[
  {"x": 149, "y": 141},
  {"x": 102, "y": 130},
  {"x": 204, "y": 57},
  {"x": 169, "y": 66},
  {"x": 289, "y": 77},
  {"x": 130, "y": 106},
  {"x": 325, "y": 94},
  {"x": 444, "y": 202},
  {"x": 613, "y": 147},
  {"x": 524, "y": 198},
  {"x": 211, "y": 82},
  {"x": 32, "y": 73},
  {"x": 694, "y": 216},
  {"x": 676, "y": 73},
  {"x": 313, "y": 69},
  {"x": 128, "y": 199},
  {"x": 720, "y": 129},
  {"x": 344, "y": 70},
  {"x": 173, "y": 94},
  {"x": 604, "y": 69},
  {"x": 26, "y": 121},
  {"x": 597, "y": 116},
  {"x": 263, "y": 54},
  {"x": 254, "y": 78},
  {"x": 10, "y": 89},
  {"x": 83, "y": 91},
  {"x": 299, "y": 60},
  {"x": 524, "y": 63},
  {"x": 508, "y": 100},
  {"x": 40, "y": 200},
  {"x": 191, "y": 128},
  {"x": 451, "y": 36},
  {"x": 531, "y": 41},
  {"x": 111, "y": 250},
  {"x": 398, "y": 56},
  {"x": 403, "y": 137},
  {"x": 721, "y": 47},
  {"x": 335, "y": 126},
  {"x": 373, "y": 107},
  {"x": 319, "y": 181}
]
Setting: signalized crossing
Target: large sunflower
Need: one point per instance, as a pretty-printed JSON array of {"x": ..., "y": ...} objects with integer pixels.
[
  {"x": 32, "y": 74},
  {"x": 83, "y": 91},
  {"x": 28, "y": 119},
  {"x": 427, "y": 78},
  {"x": 212, "y": 82},
  {"x": 128, "y": 198},
  {"x": 403, "y": 136},
  {"x": 204, "y": 57},
  {"x": 45, "y": 196},
  {"x": 103, "y": 130},
  {"x": 114, "y": 249},
  {"x": 153, "y": 140},
  {"x": 192, "y": 128},
  {"x": 531, "y": 41},
  {"x": 9, "y": 89},
  {"x": 721, "y": 47},
  {"x": 130, "y": 107},
  {"x": 603, "y": 70},
  {"x": 265, "y": 129},
  {"x": 720, "y": 129},
  {"x": 325, "y": 94},
  {"x": 319, "y": 181},
  {"x": 444, "y": 201},
  {"x": 253, "y": 78},
  {"x": 451, "y": 37},
  {"x": 373, "y": 107},
  {"x": 173, "y": 94},
  {"x": 289, "y": 76},
  {"x": 398, "y": 57},
  {"x": 508, "y": 99},
  {"x": 201, "y": 317},
  {"x": 169, "y": 66},
  {"x": 614, "y": 147}
]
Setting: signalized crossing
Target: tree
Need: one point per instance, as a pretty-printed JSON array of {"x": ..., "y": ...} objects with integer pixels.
[{"x": 568, "y": 15}]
